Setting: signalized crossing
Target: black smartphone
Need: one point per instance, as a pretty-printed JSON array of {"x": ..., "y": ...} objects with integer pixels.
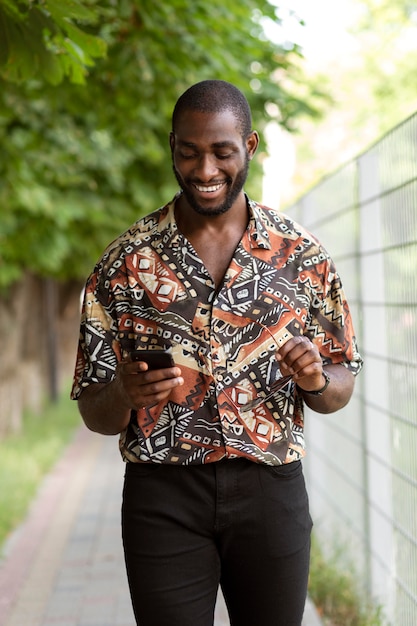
[{"x": 156, "y": 359}]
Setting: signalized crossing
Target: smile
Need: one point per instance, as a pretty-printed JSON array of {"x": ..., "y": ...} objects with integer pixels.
[{"x": 209, "y": 189}]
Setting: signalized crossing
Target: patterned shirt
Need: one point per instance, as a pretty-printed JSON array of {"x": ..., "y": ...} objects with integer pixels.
[{"x": 151, "y": 290}]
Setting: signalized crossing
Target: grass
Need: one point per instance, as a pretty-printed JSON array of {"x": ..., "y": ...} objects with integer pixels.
[
  {"x": 333, "y": 589},
  {"x": 26, "y": 458}
]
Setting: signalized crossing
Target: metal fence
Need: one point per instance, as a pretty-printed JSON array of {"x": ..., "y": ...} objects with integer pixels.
[{"x": 364, "y": 500}]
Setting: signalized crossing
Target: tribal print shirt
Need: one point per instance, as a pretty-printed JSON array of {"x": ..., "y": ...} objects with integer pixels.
[{"x": 151, "y": 290}]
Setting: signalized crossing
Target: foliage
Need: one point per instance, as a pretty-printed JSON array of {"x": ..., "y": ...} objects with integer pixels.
[
  {"x": 79, "y": 163},
  {"x": 21, "y": 472},
  {"x": 332, "y": 588},
  {"x": 42, "y": 37}
]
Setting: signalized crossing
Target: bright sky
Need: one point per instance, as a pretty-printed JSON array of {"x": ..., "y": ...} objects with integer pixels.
[
  {"x": 326, "y": 23},
  {"x": 324, "y": 36}
]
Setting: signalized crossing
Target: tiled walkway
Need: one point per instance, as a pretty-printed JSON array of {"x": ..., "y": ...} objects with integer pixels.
[{"x": 64, "y": 566}]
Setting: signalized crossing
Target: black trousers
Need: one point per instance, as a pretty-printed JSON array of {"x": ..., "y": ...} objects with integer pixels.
[{"x": 235, "y": 523}]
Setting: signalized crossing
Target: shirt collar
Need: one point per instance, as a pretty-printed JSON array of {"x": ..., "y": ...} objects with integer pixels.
[
  {"x": 167, "y": 225},
  {"x": 257, "y": 227}
]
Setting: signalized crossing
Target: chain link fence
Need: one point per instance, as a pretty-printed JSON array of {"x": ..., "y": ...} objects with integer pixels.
[{"x": 364, "y": 500}]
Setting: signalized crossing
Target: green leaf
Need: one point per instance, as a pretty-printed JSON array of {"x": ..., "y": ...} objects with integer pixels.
[
  {"x": 61, "y": 10},
  {"x": 32, "y": 41},
  {"x": 20, "y": 63},
  {"x": 75, "y": 71},
  {"x": 4, "y": 44},
  {"x": 89, "y": 45},
  {"x": 12, "y": 9}
]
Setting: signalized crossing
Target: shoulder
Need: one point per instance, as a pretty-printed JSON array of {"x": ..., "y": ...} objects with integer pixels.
[
  {"x": 147, "y": 231},
  {"x": 275, "y": 224},
  {"x": 134, "y": 236}
]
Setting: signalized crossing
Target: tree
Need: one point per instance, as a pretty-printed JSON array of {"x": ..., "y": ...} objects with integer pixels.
[
  {"x": 79, "y": 162},
  {"x": 41, "y": 38}
]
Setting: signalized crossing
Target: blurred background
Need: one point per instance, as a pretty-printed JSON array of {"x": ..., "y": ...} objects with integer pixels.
[{"x": 87, "y": 89}]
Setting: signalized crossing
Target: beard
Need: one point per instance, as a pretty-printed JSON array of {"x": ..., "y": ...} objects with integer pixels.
[{"x": 233, "y": 190}]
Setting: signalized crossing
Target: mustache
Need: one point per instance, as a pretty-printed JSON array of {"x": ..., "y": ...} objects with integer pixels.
[{"x": 196, "y": 181}]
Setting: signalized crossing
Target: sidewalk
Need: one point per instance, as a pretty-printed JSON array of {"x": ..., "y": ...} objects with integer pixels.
[{"x": 64, "y": 566}]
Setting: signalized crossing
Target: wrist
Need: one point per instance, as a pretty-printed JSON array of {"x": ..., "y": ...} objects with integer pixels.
[{"x": 321, "y": 390}]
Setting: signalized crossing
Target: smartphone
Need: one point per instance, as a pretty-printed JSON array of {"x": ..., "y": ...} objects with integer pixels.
[{"x": 156, "y": 359}]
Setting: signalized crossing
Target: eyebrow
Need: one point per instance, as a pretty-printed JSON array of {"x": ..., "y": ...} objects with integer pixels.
[{"x": 217, "y": 144}]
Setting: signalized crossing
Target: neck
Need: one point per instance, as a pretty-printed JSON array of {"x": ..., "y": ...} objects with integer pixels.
[{"x": 190, "y": 221}]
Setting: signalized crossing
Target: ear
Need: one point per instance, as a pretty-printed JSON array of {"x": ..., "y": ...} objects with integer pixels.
[
  {"x": 252, "y": 143},
  {"x": 172, "y": 141}
]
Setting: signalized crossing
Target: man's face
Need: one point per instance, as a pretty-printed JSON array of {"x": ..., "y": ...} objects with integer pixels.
[{"x": 211, "y": 159}]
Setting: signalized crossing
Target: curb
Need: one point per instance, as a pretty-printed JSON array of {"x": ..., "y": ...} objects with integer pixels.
[{"x": 32, "y": 553}]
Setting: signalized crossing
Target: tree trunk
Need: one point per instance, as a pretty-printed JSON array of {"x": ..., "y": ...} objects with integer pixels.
[{"x": 39, "y": 321}]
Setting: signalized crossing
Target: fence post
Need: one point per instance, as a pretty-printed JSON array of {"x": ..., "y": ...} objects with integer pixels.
[{"x": 375, "y": 383}]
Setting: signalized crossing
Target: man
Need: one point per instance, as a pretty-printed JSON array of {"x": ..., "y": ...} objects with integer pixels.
[{"x": 252, "y": 310}]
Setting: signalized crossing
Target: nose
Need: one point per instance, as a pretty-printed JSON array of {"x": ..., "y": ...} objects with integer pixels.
[{"x": 206, "y": 168}]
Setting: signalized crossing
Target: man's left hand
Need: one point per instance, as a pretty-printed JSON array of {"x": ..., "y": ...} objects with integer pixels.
[{"x": 300, "y": 358}]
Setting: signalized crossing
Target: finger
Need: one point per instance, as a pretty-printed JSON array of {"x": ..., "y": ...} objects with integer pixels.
[
  {"x": 289, "y": 346},
  {"x": 295, "y": 349},
  {"x": 312, "y": 370},
  {"x": 153, "y": 387},
  {"x": 307, "y": 364},
  {"x": 301, "y": 354},
  {"x": 150, "y": 394},
  {"x": 134, "y": 367},
  {"x": 166, "y": 374}
]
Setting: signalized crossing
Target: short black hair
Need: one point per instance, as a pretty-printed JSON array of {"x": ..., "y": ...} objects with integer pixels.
[{"x": 214, "y": 96}]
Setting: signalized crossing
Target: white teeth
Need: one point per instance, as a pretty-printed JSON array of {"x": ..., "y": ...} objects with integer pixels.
[{"x": 209, "y": 189}]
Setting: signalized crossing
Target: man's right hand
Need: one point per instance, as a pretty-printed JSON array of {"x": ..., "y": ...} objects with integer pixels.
[
  {"x": 105, "y": 408},
  {"x": 140, "y": 387}
]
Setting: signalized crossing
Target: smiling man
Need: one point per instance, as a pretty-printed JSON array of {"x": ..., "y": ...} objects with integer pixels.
[{"x": 252, "y": 310}]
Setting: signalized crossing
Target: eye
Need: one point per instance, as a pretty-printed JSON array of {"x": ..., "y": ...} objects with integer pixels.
[
  {"x": 222, "y": 157},
  {"x": 187, "y": 155}
]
